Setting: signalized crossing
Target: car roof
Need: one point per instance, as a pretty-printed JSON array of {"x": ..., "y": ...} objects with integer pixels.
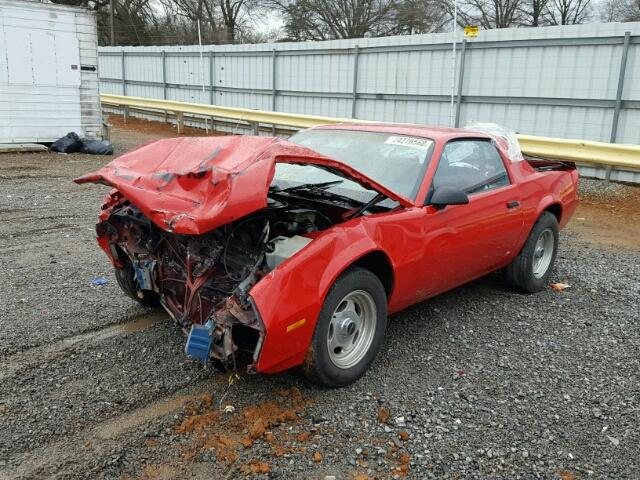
[{"x": 427, "y": 131}]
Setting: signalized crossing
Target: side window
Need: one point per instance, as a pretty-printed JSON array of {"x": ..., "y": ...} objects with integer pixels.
[{"x": 471, "y": 165}]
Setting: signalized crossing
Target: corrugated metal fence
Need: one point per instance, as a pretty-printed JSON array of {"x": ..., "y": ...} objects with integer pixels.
[{"x": 570, "y": 81}]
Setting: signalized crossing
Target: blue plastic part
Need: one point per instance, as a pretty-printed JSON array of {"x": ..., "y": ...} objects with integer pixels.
[
  {"x": 143, "y": 270},
  {"x": 199, "y": 341}
]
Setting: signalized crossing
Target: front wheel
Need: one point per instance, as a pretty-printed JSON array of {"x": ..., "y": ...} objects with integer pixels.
[
  {"x": 127, "y": 282},
  {"x": 349, "y": 331},
  {"x": 531, "y": 269}
]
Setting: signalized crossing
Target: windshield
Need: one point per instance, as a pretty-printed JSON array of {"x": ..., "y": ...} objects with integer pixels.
[{"x": 397, "y": 162}]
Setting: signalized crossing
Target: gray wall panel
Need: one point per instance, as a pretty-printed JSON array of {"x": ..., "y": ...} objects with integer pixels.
[{"x": 554, "y": 81}]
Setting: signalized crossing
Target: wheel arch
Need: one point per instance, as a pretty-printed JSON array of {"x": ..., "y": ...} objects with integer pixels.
[
  {"x": 554, "y": 208},
  {"x": 378, "y": 263}
]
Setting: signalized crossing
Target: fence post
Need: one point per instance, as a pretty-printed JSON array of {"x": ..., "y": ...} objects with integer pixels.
[
  {"x": 354, "y": 97},
  {"x": 211, "y": 82},
  {"x": 125, "y": 110},
  {"x": 460, "y": 80},
  {"x": 273, "y": 87},
  {"x": 180, "y": 118},
  {"x": 618, "y": 104},
  {"x": 164, "y": 80}
]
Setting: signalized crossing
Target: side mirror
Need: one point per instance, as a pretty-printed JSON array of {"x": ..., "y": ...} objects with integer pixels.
[{"x": 447, "y": 195}]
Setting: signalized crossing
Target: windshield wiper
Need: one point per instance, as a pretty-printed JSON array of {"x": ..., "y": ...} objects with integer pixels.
[
  {"x": 321, "y": 193},
  {"x": 360, "y": 210},
  {"x": 312, "y": 186}
]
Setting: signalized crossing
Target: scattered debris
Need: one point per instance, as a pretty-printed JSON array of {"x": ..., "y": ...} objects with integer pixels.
[
  {"x": 383, "y": 415},
  {"x": 614, "y": 440},
  {"x": 229, "y": 409},
  {"x": 566, "y": 475},
  {"x": 317, "y": 457},
  {"x": 361, "y": 476},
  {"x": 255, "y": 467},
  {"x": 228, "y": 435},
  {"x": 404, "y": 436},
  {"x": 98, "y": 281},
  {"x": 402, "y": 470},
  {"x": 559, "y": 287}
]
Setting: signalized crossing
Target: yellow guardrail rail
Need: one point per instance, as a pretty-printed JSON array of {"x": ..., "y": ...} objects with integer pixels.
[
  {"x": 241, "y": 114},
  {"x": 580, "y": 151}
]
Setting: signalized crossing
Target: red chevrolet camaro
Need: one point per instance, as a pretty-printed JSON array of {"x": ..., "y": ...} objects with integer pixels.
[{"x": 275, "y": 254}]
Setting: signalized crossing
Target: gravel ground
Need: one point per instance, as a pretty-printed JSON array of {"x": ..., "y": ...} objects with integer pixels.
[{"x": 480, "y": 382}]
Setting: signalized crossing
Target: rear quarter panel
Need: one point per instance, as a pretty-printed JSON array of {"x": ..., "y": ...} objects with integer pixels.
[{"x": 540, "y": 190}]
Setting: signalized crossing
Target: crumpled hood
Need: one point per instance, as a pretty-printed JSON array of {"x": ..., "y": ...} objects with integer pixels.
[{"x": 191, "y": 185}]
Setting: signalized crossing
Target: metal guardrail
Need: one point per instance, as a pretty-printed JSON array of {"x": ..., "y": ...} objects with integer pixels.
[
  {"x": 585, "y": 152},
  {"x": 580, "y": 151}
]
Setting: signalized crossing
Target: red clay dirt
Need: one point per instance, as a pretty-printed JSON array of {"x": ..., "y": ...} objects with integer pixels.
[
  {"x": 611, "y": 221},
  {"x": 161, "y": 129},
  {"x": 209, "y": 428}
]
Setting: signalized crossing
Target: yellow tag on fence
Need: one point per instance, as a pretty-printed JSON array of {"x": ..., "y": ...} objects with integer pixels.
[{"x": 471, "y": 31}]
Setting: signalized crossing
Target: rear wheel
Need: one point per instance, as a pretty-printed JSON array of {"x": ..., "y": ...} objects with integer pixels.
[
  {"x": 531, "y": 269},
  {"x": 349, "y": 331},
  {"x": 127, "y": 280}
]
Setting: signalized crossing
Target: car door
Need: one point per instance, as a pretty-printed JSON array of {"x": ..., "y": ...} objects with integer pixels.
[{"x": 464, "y": 242}]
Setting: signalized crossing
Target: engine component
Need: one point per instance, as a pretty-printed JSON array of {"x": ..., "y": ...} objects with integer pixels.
[
  {"x": 282, "y": 248},
  {"x": 204, "y": 281}
]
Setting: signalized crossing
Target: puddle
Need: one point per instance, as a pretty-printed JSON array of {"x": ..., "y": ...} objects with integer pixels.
[{"x": 142, "y": 322}]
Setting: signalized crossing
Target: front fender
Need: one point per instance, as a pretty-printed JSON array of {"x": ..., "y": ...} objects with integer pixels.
[{"x": 290, "y": 298}]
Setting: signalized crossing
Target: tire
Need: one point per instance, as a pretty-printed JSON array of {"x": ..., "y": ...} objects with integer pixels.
[
  {"x": 531, "y": 269},
  {"x": 350, "y": 330},
  {"x": 126, "y": 279}
]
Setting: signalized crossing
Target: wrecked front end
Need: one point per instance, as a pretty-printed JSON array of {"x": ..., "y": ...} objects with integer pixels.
[{"x": 203, "y": 281}]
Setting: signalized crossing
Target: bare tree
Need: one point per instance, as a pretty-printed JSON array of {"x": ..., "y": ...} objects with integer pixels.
[
  {"x": 220, "y": 20},
  {"x": 490, "y": 13},
  {"x": 568, "y": 12},
  {"x": 231, "y": 9},
  {"x": 421, "y": 16},
  {"x": 620, "y": 11},
  {"x": 132, "y": 19},
  {"x": 534, "y": 13},
  {"x": 326, "y": 19}
]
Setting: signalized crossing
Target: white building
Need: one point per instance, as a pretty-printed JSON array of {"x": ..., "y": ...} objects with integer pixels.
[{"x": 48, "y": 72}]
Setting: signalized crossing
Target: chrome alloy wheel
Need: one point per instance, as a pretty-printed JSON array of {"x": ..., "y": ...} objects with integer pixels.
[
  {"x": 543, "y": 253},
  {"x": 351, "y": 329}
]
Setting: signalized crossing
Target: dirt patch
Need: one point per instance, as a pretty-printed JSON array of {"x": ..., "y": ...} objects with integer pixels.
[
  {"x": 611, "y": 221},
  {"x": 160, "y": 129},
  {"x": 229, "y": 434},
  {"x": 255, "y": 467}
]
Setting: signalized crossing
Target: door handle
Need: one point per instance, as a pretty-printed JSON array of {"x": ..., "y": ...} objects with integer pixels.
[{"x": 513, "y": 204}]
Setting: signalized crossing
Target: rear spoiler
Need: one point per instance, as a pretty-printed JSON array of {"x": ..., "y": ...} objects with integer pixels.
[{"x": 545, "y": 164}]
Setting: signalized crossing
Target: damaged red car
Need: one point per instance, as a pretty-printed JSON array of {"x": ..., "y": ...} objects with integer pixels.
[{"x": 274, "y": 254}]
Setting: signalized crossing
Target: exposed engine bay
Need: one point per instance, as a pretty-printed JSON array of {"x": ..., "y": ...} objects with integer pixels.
[{"x": 203, "y": 280}]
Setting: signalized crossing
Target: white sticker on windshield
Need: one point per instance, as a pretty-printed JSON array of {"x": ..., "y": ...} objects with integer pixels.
[{"x": 423, "y": 143}]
